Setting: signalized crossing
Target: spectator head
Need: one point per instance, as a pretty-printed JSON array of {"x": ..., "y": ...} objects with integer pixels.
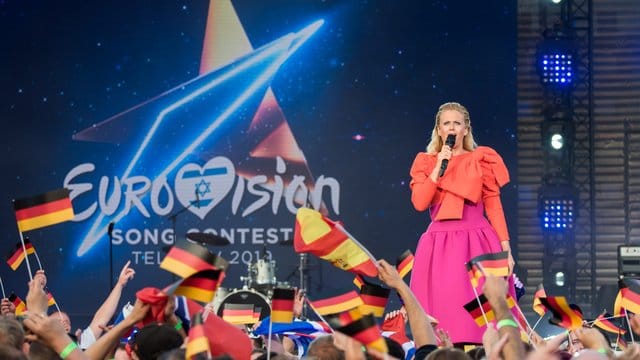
[
  {"x": 11, "y": 333},
  {"x": 40, "y": 351},
  {"x": 153, "y": 340},
  {"x": 324, "y": 348},
  {"x": 10, "y": 353}
]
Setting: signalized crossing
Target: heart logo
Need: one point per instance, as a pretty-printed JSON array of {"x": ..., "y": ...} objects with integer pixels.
[{"x": 202, "y": 188}]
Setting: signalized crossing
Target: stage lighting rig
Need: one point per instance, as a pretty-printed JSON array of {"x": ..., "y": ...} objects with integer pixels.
[
  {"x": 556, "y": 60},
  {"x": 558, "y": 206}
]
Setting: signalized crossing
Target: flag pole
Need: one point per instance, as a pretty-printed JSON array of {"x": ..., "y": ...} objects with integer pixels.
[
  {"x": 37, "y": 257},
  {"x": 306, "y": 299},
  {"x": 4, "y": 296},
  {"x": 626, "y": 315},
  {"x": 536, "y": 324},
  {"x": 528, "y": 333},
  {"x": 604, "y": 318},
  {"x": 26, "y": 256},
  {"x": 269, "y": 338},
  {"x": 522, "y": 314}
]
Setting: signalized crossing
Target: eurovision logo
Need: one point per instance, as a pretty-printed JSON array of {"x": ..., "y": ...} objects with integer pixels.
[{"x": 200, "y": 189}]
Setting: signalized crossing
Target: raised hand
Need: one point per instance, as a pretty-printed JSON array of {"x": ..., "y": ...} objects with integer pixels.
[{"x": 126, "y": 274}]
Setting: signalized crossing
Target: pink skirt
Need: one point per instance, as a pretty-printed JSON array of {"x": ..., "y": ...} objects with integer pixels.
[{"x": 439, "y": 278}]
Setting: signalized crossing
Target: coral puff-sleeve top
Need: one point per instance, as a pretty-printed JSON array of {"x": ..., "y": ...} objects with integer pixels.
[{"x": 474, "y": 176}]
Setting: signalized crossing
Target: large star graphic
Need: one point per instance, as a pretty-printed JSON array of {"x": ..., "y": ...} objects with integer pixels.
[{"x": 201, "y": 116}]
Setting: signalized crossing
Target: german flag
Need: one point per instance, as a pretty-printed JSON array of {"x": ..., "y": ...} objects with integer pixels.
[
  {"x": 374, "y": 298},
  {"x": 630, "y": 293},
  {"x": 358, "y": 281},
  {"x": 282, "y": 305},
  {"x": 200, "y": 286},
  {"x": 43, "y": 210},
  {"x": 238, "y": 314},
  {"x": 366, "y": 331},
  {"x": 198, "y": 343},
  {"x": 537, "y": 305},
  {"x": 568, "y": 316},
  {"x": 337, "y": 304},
  {"x": 603, "y": 322},
  {"x": 496, "y": 264},
  {"x": 324, "y": 238},
  {"x": 29, "y": 247},
  {"x": 187, "y": 258},
  {"x": 21, "y": 307},
  {"x": 16, "y": 257},
  {"x": 617, "y": 305},
  {"x": 404, "y": 263},
  {"x": 474, "y": 274},
  {"x": 476, "y": 307},
  {"x": 344, "y": 318},
  {"x": 50, "y": 300},
  {"x": 630, "y": 300}
]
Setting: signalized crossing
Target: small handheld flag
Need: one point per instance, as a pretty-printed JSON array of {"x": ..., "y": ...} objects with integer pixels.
[
  {"x": 16, "y": 257},
  {"x": 568, "y": 316},
  {"x": 537, "y": 305},
  {"x": 282, "y": 303},
  {"x": 496, "y": 264},
  {"x": 198, "y": 344},
  {"x": 42, "y": 210},
  {"x": 200, "y": 286},
  {"x": 337, "y": 304},
  {"x": 328, "y": 240},
  {"x": 21, "y": 307},
  {"x": 404, "y": 263},
  {"x": 187, "y": 258},
  {"x": 375, "y": 299}
]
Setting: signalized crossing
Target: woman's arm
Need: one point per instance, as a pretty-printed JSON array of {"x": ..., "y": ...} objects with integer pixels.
[{"x": 423, "y": 187}]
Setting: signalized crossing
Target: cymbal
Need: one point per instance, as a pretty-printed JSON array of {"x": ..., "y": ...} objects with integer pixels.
[{"x": 207, "y": 238}]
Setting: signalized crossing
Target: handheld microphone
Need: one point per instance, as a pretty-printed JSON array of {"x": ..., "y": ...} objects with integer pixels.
[
  {"x": 110, "y": 229},
  {"x": 197, "y": 198},
  {"x": 451, "y": 140}
]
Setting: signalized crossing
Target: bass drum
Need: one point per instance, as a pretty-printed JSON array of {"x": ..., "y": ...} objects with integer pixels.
[
  {"x": 246, "y": 296},
  {"x": 221, "y": 293}
]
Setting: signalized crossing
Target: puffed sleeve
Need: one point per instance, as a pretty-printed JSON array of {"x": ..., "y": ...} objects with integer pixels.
[
  {"x": 422, "y": 187},
  {"x": 494, "y": 176}
]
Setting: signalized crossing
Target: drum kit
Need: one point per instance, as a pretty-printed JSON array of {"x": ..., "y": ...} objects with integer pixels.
[{"x": 257, "y": 287}]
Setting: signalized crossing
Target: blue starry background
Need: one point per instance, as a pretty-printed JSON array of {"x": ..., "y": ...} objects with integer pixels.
[{"x": 359, "y": 96}]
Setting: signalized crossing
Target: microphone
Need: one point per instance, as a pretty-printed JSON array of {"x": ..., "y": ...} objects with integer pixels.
[
  {"x": 197, "y": 198},
  {"x": 110, "y": 230},
  {"x": 451, "y": 140}
]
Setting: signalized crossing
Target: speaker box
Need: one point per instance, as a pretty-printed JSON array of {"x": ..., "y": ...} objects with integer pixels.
[{"x": 629, "y": 260}]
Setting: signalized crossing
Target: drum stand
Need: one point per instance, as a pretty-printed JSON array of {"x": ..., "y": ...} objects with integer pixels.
[{"x": 303, "y": 277}]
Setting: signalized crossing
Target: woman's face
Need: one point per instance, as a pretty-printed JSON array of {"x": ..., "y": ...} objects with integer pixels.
[{"x": 452, "y": 122}]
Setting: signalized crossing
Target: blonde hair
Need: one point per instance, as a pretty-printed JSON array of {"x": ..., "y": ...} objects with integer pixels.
[{"x": 435, "y": 145}]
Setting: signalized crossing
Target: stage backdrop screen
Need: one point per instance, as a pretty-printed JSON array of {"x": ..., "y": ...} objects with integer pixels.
[{"x": 168, "y": 117}]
